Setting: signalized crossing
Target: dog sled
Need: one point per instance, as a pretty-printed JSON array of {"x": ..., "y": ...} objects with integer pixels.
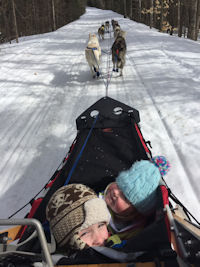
[{"x": 108, "y": 141}]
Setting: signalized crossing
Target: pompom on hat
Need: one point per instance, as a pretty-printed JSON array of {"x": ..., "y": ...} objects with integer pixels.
[
  {"x": 139, "y": 184},
  {"x": 71, "y": 209},
  {"x": 162, "y": 163}
]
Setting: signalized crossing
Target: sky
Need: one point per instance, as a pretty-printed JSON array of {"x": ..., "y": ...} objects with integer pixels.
[{"x": 45, "y": 84}]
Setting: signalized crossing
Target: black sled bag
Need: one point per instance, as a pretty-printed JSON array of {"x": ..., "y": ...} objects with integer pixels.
[{"x": 106, "y": 144}]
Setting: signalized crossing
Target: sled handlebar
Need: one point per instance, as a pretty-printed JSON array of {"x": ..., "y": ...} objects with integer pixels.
[{"x": 40, "y": 232}]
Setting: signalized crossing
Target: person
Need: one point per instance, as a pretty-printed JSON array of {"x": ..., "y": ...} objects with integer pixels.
[
  {"x": 131, "y": 199},
  {"x": 78, "y": 218}
]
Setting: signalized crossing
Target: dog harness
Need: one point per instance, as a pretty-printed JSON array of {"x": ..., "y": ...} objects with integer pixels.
[{"x": 92, "y": 48}]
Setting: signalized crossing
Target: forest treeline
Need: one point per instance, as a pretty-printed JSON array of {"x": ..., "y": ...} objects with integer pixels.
[
  {"x": 165, "y": 15},
  {"x": 27, "y": 17}
]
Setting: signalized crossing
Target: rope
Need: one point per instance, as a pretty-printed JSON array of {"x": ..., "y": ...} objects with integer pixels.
[
  {"x": 107, "y": 53},
  {"x": 26, "y": 204},
  {"x": 177, "y": 201},
  {"x": 69, "y": 176},
  {"x": 109, "y": 76},
  {"x": 81, "y": 152}
]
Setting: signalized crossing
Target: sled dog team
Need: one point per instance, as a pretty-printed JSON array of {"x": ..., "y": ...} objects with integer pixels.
[{"x": 118, "y": 49}]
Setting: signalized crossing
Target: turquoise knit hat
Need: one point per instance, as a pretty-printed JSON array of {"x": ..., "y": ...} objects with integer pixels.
[{"x": 139, "y": 184}]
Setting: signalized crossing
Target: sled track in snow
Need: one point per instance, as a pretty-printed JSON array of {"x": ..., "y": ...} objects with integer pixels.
[
  {"x": 193, "y": 72},
  {"x": 34, "y": 123},
  {"x": 34, "y": 115},
  {"x": 34, "y": 119},
  {"x": 16, "y": 57}
]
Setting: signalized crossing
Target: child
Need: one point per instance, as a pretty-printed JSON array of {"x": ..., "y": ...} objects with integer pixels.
[
  {"x": 78, "y": 218},
  {"x": 132, "y": 197}
]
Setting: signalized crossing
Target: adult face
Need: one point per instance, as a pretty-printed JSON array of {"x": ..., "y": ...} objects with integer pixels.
[
  {"x": 95, "y": 235},
  {"x": 116, "y": 200}
]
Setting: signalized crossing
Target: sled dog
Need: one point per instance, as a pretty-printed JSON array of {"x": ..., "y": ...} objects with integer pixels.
[
  {"x": 114, "y": 22},
  {"x": 93, "y": 54},
  {"x": 119, "y": 52},
  {"x": 101, "y": 32},
  {"x": 107, "y": 26},
  {"x": 116, "y": 30}
]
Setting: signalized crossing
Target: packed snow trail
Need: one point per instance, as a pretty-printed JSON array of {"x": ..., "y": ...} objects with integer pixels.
[{"x": 45, "y": 84}]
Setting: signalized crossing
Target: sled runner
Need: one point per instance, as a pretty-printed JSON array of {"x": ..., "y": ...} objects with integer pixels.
[{"x": 108, "y": 141}]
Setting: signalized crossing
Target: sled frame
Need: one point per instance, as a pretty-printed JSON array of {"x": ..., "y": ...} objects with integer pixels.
[{"x": 40, "y": 233}]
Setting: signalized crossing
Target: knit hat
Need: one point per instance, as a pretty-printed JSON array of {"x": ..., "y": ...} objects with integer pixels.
[
  {"x": 139, "y": 185},
  {"x": 162, "y": 163},
  {"x": 71, "y": 209}
]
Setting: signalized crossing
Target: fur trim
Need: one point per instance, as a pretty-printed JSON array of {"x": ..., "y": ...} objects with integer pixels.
[{"x": 92, "y": 216}]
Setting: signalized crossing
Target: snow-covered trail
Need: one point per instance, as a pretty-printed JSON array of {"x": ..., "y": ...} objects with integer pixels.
[{"x": 45, "y": 83}]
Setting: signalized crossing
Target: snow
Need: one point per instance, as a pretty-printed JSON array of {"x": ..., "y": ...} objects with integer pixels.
[{"x": 45, "y": 83}]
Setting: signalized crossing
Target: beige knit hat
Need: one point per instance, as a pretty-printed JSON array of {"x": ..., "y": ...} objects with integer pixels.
[{"x": 73, "y": 208}]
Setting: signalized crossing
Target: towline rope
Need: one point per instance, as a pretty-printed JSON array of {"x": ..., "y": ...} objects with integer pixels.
[
  {"x": 81, "y": 152},
  {"x": 108, "y": 62}
]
